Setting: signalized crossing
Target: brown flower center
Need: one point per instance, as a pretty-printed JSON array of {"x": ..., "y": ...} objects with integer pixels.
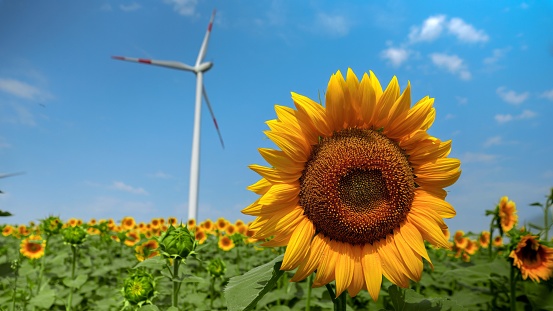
[{"x": 357, "y": 186}]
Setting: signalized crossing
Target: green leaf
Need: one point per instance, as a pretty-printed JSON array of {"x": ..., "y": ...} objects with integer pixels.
[
  {"x": 5, "y": 213},
  {"x": 173, "y": 309},
  {"x": 409, "y": 300},
  {"x": 150, "y": 308},
  {"x": 480, "y": 272},
  {"x": 45, "y": 299},
  {"x": 77, "y": 282},
  {"x": 244, "y": 291},
  {"x": 156, "y": 262},
  {"x": 539, "y": 295}
]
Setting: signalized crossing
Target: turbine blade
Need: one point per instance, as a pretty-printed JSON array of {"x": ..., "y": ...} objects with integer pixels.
[
  {"x": 162, "y": 63},
  {"x": 213, "y": 116},
  {"x": 11, "y": 174},
  {"x": 203, "y": 49}
]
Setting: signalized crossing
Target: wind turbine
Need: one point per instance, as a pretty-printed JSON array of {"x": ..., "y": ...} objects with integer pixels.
[{"x": 199, "y": 68}]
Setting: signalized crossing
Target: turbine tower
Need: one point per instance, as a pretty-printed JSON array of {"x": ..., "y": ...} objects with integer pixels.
[{"x": 199, "y": 68}]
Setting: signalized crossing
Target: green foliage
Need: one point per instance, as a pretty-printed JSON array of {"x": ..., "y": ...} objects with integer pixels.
[
  {"x": 243, "y": 292},
  {"x": 177, "y": 242}
]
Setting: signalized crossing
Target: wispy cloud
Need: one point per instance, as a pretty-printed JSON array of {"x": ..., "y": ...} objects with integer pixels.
[
  {"x": 23, "y": 90},
  {"x": 106, "y": 7},
  {"x": 504, "y": 118},
  {"x": 161, "y": 175},
  {"x": 547, "y": 95},
  {"x": 17, "y": 114},
  {"x": 118, "y": 185},
  {"x": 396, "y": 56},
  {"x": 183, "y": 7},
  {"x": 477, "y": 157},
  {"x": 451, "y": 63},
  {"x": 130, "y": 7},
  {"x": 466, "y": 32},
  {"x": 497, "y": 54},
  {"x": 510, "y": 96},
  {"x": 493, "y": 141},
  {"x": 332, "y": 24},
  {"x": 462, "y": 100},
  {"x": 433, "y": 27},
  {"x": 430, "y": 30}
]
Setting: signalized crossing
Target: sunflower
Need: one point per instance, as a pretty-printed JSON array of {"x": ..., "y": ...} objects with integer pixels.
[
  {"x": 128, "y": 223},
  {"x": 507, "y": 214},
  {"x": 172, "y": 221},
  {"x": 132, "y": 238},
  {"x": 484, "y": 239},
  {"x": 7, "y": 230},
  {"x": 460, "y": 240},
  {"x": 225, "y": 243},
  {"x": 200, "y": 236},
  {"x": 221, "y": 224},
  {"x": 533, "y": 259},
  {"x": 356, "y": 187},
  {"x": 498, "y": 241},
  {"x": 33, "y": 247},
  {"x": 191, "y": 223},
  {"x": 146, "y": 250}
]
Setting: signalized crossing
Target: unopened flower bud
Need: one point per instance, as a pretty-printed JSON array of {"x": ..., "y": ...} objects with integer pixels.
[
  {"x": 177, "y": 242},
  {"x": 73, "y": 235},
  {"x": 139, "y": 287}
]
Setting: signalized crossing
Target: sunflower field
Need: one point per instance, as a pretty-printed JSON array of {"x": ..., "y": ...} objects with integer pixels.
[{"x": 350, "y": 216}]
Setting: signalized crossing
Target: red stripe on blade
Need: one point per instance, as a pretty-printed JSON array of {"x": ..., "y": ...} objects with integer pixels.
[{"x": 145, "y": 61}]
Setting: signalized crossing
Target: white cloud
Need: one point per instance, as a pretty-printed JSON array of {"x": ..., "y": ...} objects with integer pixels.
[
  {"x": 130, "y": 7},
  {"x": 118, "y": 185},
  {"x": 23, "y": 90},
  {"x": 396, "y": 56},
  {"x": 462, "y": 100},
  {"x": 451, "y": 63},
  {"x": 18, "y": 114},
  {"x": 493, "y": 141},
  {"x": 511, "y": 96},
  {"x": 184, "y": 7},
  {"x": 497, "y": 54},
  {"x": 106, "y": 7},
  {"x": 504, "y": 118},
  {"x": 430, "y": 30},
  {"x": 548, "y": 95},
  {"x": 433, "y": 27},
  {"x": 161, "y": 175},
  {"x": 466, "y": 32},
  {"x": 477, "y": 157},
  {"x": 449, "y": 116},
  {"x": 334, "y": 25}
]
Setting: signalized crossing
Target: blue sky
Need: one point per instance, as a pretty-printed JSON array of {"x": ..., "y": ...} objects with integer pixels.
[{"x": 105, "y": 139}]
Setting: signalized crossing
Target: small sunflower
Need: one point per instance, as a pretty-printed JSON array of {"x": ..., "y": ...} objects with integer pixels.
[
  {"x": 128, "y": 223},
  {"x": 33, "y": 247},
  {"x": 484, "y": 239},
  {"x": 7, "y": 230},
  {"x": 507, "y": 214},
  {"x": 534, "y": 260},
  {"x": 225, "y": 243},
  {"x": 356, "y": 187},
  {"x": 200, "y": 236},
  {"x": 146, "y": 250}
]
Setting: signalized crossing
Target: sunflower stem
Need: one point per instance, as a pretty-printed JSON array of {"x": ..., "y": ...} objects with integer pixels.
[
  {"x": 308, "y": 299},
  {"x": 73, "y": 264},
  {"x": 41, "y": 273},
  {"x": 341, "y": 302},
  {"x": 176, "y": 263},
  {"x": 513, "y": 288},
  {"x": 491, "y": 238}
]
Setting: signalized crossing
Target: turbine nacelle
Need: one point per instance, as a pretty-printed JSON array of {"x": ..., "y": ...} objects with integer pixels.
[{"x": 203, "y": 67}]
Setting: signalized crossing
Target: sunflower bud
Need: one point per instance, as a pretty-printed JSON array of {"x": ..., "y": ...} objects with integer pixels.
[
  {"x": 216, "y": 267},
  {"x": 73, "y": 235},
  {"x": 51, "y": 225},
  {"x": 139, "y": 288},
  {"x": 177, "y": 242}
]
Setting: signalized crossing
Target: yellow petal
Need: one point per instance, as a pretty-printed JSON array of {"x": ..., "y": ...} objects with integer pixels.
[
  {"x": 358, "y": 281},
  {"x": 318, "y": 247},
  {"x": 295, "y": 148},
  {"x": 414, "y": 239},
  {"x": 279, "y": 160},
  {"x": 367, "y": 100},
  {"x": 399, "y": 111},
  {"x": 315, "y": 113},
  {"x": 392, "y": 268},
  {"x": 375, "y": 86},
  {"x": 429, "y": 230},
  {"x": 298, "y": 245},
  {"x": 372, "y": 270},
  {"x": 386, "y": 102},
  {"x": 325, "y": 271},
  {"x": 281, "y": 193},
  {"x": 273, "y": 175},
  {"x": 441, "y": 207},
  {"x": 260, "y": 187},
  {"x": 344, "y": 268},
  {"x": 336, "y": 102},
  {"x": 411, "y": 260}
]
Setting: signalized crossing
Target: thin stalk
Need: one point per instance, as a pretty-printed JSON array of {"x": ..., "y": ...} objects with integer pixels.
[
  {"x": 176, "y": 263},
  {"x": 309, "y": 288},
  {"x": 73, "y": 264},
  {"x": 341, "y": 302},
  {"x": 491, "y": 238},
  {"x": 212, "y": 293},
  {"x": 42, "y": 260},
  {"x": 16, "y": 264},
  {"x": 546, "y": 220},
  {"x": 513, "y": 288}
]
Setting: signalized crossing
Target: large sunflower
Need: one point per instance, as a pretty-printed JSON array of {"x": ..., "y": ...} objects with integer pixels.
[
  {"x": 534, "y": 260},
  {"x": 356, "y": 187},
  {"x": 33, "y": 247}
]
